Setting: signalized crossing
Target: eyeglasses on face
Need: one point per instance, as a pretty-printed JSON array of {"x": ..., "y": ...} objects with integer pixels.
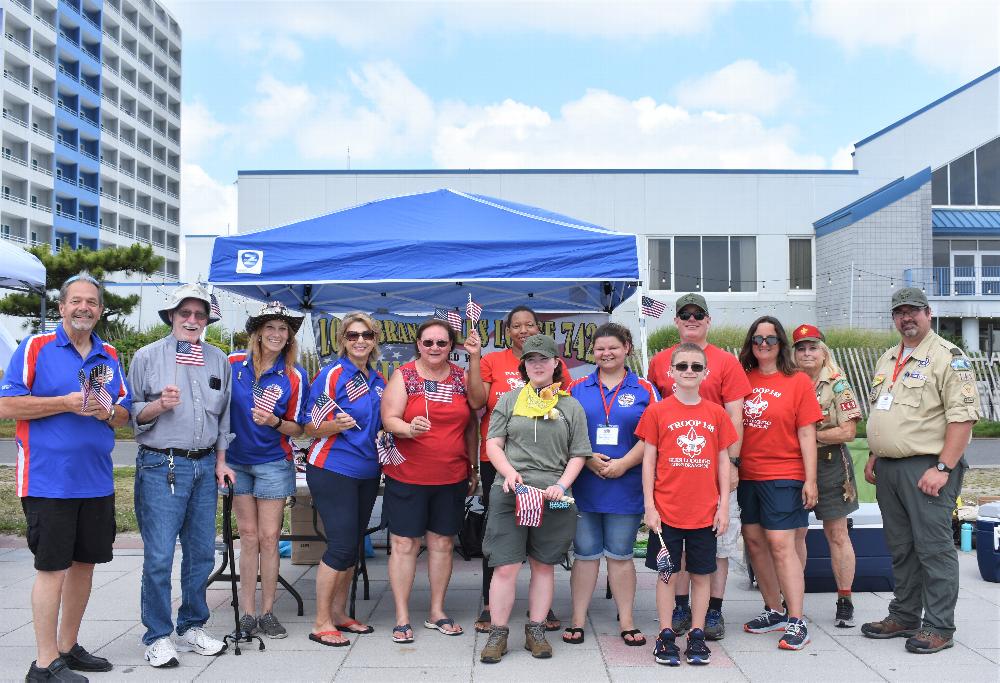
[
  {"x": 367, "y": 335},
  {"x": 687, "y": 315},
  {"x": 429, "y": 343},
  {"x": 683, "y": 367},
  {"x": 905, "y": 312},
  {"x": 759, "y": 340},
  {"x": 185, "y": 313}
]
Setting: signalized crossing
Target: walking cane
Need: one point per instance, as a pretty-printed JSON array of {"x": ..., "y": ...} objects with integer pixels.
[{"x": 237, "y": 636}]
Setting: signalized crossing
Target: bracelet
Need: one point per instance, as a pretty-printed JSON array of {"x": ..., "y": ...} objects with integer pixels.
[
  {"x": 111, "y": 414},
  {"x": 562, "y": 487}
]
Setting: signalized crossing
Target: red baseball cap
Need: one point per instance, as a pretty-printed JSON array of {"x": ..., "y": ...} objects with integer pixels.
[{"x": 806, "y": 333}]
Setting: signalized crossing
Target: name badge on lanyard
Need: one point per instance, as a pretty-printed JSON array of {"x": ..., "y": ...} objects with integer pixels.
[
  {"x": 607, "y": 435},
  {"x": 884, "y": 402}
]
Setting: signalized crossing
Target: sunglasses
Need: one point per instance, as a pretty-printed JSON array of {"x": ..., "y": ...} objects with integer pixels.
[
  {"x": 367, "y": 335},
  {"x": 687, "y": 315},
  {"x": 440, "y": 343},
  {"x": 683, "y": 367},
  {"x": 197, "y": 315},
  {"x": 758, "y": 340}
]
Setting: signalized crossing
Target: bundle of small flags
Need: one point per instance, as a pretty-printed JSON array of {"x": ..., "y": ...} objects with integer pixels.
[
  {"x": 473, "y": 311},
  {"x": 453, "y": 318},
  {"x": 664, "y": 566},
  {"x": 528, "y": 505},
  {"x": 322, "y": 407},
  {"x": 266, "y": 399},
  {"x": 189, "y": 353},
  {"x": 438, "y": 392},
  {"x": 388, "y": 454},
  {"x": 356, "y": 387},
  {"x": 93, "y": 387},
  {"x": 651, "y": 306}
]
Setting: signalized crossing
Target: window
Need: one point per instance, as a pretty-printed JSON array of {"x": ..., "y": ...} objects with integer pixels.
[
  {"x": 703, "y": 264},
  {"x": 800, "y": 264},
  {"x": 687, "y": 264},
  {"x": 659, "y": 264},
  {"x": 970, "y": 180},
  {"x": 988, "y": 173},
  {"x": 939, "y": 186},
  {"x": 963, "y": 180}
]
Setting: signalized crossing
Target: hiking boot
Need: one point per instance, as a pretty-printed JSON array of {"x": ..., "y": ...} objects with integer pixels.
[
  {"x": 680, "y": 620},
  {"x": 715, "y": 625},
  {"x": 666, "y": 651},
  {"x": 271, "y": 627},
  {"x": 796, "y": 635},
  {"x": 55, "y": 671},
  {"x": 697, "y": 651},
  {"x": 248, "y": 626},
  {"x": 79, "y": 659},
  {"x": 926, "y": 642},
  {"x": 845, "y": 613},
  {"x": 534, "y": 640},
  {"x": 496, "y": 645},
  {"x": 887, "y": 628},
  {"x": 768, "y": 620}
]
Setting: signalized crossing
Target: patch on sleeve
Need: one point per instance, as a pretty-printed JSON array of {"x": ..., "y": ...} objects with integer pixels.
[
  {"x": 878, "y": 379},
  {"x": 968, "y": 390},
  {"x": 966, "y": 376},
  {"x": 839, "y": 386},
  {"x": 960, "y": 363},
  {"x": 955, "y": 351},
  {"x": 847, "y": 406},
  {"x": 969, "y": 400}
]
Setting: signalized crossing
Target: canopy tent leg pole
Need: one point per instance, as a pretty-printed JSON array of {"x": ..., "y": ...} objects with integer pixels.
[
  {"x": 42, "y": 330},
  {"x": 644, "y": 354}
]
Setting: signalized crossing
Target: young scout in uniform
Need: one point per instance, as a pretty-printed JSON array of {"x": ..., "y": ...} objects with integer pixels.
[{"x": 924, "y": 404}]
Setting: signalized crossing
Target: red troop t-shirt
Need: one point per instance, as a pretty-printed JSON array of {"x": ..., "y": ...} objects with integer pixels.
[
  {"x": 777, "y": 406},
  {"x": 688, "y": 440},
  {"x": 725, "y": 380}
]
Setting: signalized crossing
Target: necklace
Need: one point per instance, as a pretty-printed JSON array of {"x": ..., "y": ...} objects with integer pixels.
[{"x": 436, "y": 375}]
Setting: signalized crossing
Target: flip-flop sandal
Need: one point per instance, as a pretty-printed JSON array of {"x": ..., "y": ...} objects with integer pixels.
[
  {"x": 350, "y": 625},
  {"x": 484, "y": 618},
  {"x": 635, "y": 641},
  {"x": 401, "y": 630},
  {"x": 572, "y": 631},
  {"x": 318, "y": 638},
  {"x": 440, "y": 624}
]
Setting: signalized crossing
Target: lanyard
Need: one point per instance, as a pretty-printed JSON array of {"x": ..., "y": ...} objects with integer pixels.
[
  {"x": 899, "y": 366},
  {"x": 607, "y": 406}
]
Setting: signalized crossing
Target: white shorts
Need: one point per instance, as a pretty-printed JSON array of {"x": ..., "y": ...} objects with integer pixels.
[{"x": 728, "y": 543}]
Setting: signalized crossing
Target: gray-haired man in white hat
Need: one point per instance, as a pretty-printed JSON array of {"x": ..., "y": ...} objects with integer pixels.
[{"x": 180, "y": 413}]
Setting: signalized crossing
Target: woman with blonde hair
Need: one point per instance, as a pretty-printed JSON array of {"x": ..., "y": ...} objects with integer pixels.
[{"x": 265, "y": 414}]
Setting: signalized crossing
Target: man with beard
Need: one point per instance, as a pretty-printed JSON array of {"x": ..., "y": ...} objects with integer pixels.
[
  {"x": 924, "y": 402},
  {"x": 181, "y": 419},
  {"x": 67, "y": 391}
]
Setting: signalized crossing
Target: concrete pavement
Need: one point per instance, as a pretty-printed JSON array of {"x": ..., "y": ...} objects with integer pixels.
[{"x": 111, "y": 628}]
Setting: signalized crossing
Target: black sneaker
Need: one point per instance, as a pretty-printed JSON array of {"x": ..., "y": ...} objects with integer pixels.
[
  {"x": 845, "y": 613},
  {"x": 697, "y": 651},
  {"x": 715, "y": 625},
  {"x": 248, "y": 626},
  {"x": 768, "y": 620},
  {"x": 796, "y": 635},
  {"x": 272, "y": 628},
  {"x": 666, "y": 651},
  {"x": 79, "y": 659},
  {"x": 680, "y": 621},
  {"x": 56, "y": 671}
]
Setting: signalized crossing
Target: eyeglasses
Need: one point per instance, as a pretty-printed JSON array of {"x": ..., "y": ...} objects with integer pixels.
[
  {"x": 197, "y": 315},
  {"x": 907, "y": 313},
  {"x": 683, "y": 367},
  {"x": 687, "y": 315},
  {"x": 367, "y": 335},
  {"x": 759, "y": 340},
  {"x": 440, "y": 343}
]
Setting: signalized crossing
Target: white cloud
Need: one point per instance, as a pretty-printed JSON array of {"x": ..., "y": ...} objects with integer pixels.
[
  {"x": 843, "y": 158},
  {"x": 207, "y": 206},
  {"x": 201, "y": 130},
  {"x": 960, "y": 37},
  {"x": 743, "y": 86}
]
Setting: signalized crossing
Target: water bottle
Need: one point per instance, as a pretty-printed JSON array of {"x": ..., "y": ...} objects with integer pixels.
[{"x": 966, "y": 537}]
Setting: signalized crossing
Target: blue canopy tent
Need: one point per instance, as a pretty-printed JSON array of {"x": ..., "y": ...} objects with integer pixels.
[{"x": 415, "y": 253}]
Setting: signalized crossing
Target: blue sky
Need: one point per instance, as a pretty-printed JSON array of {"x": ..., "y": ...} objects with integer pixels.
[{"x": 724, "y": 84}]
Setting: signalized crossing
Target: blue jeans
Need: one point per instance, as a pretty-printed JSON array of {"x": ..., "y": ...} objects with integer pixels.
[{"x": 188, "y": 513}]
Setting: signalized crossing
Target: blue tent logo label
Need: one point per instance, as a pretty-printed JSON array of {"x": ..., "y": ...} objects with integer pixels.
[{"x": 249, "y": 261}]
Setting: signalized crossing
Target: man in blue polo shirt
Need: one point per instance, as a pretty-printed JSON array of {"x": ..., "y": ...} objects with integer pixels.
[{"x": 67, "y": 391}]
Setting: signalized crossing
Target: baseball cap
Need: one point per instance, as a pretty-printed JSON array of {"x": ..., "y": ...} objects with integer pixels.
[
  {"x": 806, "y": 333},
  {"x": 692, "y": 300},
  {"x": 542, "y": 344},
  {"x": 909, "y": 296}
]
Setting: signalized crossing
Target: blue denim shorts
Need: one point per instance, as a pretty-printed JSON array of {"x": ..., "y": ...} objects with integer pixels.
[
  {"x": 605, "y": 533},
  {"x": 273, "y": 480}
]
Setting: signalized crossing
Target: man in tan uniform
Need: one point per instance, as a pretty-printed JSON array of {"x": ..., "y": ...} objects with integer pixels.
[{"x": 924, "y": 404}]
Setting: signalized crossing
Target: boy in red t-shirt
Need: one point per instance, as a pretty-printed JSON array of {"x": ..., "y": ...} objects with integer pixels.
[{"x": 684, "y": 470}]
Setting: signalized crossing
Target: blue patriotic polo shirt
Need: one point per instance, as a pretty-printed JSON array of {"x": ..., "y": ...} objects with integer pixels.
[
  {"x": 623, "y": 495},
  {"x": 64, "y": 455},
  {"x": 256, "y": 444}
]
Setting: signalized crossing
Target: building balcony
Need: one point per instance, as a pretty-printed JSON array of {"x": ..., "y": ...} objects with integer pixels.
[{"x": 955, "y": 281}]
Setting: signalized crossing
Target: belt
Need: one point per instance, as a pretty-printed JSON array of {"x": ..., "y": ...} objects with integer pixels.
[
  {"x": 828, "y": 452},
  {"x": 191, "y": 454}
]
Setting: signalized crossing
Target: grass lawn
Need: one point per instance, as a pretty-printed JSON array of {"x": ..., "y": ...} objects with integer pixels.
[{"x": 7, "y": 431}]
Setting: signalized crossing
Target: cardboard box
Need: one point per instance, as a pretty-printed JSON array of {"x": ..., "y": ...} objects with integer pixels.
[
  {"x": 305, "y": 552},
  {"x": 983, "y": 500}
]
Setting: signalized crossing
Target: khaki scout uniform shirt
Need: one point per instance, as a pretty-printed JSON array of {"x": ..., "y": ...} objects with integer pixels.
[
  {"x": 836, "y": 400},
  {"x": 935, "y": 386}
]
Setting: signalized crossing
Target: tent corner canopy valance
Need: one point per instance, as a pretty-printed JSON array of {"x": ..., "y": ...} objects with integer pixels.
[
  {"x": 20, "y": 269},
  {"x": 414, "y": 253}
]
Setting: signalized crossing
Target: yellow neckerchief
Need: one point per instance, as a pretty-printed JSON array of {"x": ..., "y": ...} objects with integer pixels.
[{"x": 538, "y": 404}]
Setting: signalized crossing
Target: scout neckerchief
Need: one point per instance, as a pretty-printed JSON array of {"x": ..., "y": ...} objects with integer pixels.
[{"x": 539, "y": 404}]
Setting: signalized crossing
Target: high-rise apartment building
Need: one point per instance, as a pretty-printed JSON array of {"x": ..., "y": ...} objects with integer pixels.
[{"x": 91, "y": 127}]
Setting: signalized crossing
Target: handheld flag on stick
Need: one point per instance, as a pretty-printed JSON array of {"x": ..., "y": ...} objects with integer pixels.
[
  {"x": 473, "y": 310},
  {"x": 322, "y": 407},
  {"x": 356, "y": 387},
  {"x": 451, "y": 317},
  {"x": 266, "y": 399},
  {"x": 528, "y": 505},
  {"x": 664, "y": 566},
  {"x": 650, "y": 306},
  {"x": 214, "y": 306},
  {"x": 388, "y": 454},
  {"x": 189, "y": 353},
  {"x": 438, "y": 392}
]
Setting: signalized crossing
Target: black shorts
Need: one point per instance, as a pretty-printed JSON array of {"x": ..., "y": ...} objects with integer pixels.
[
  {"x": 62, "y": 531},
  {"x": 698, "y": 546},
  {"x": 411, "y": 510}
]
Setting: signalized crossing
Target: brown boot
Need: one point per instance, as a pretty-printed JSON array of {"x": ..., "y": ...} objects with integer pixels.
[
  {"x": 887, "y": 628},
  {"x": 926, "y": 642},
  {"x": 496, "y": 645},
  {"x": 534, "y": 640}
]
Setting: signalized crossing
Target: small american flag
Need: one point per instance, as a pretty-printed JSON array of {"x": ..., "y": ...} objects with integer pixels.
[
  {"x": 438, "y": 392},
  {"x": 214, "y": 306},
  {"x": 388, "y": 454},
  {"x": 473, "y": 311},
  {"x": 189, "y": 354},
  {"x": 94, "y": 386},
  {"x": 651, "y": 306},
  {"x": 323, "y": 406},
  {"x": 453, "y": 318},
  {"x": 266, "y": 398},
  {"x": 528, "y": 505},
  {"x": 663, "y": 563},
  {"x": 356, "y": 387}
]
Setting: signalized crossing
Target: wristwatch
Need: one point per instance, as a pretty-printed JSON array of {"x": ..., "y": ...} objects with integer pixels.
[{"x": 941, "y": 467}]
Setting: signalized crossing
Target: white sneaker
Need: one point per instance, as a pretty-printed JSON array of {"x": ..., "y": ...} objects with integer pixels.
[
  {"x": 196, "y": 640},
  {"x": 162, "y": 653}
]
